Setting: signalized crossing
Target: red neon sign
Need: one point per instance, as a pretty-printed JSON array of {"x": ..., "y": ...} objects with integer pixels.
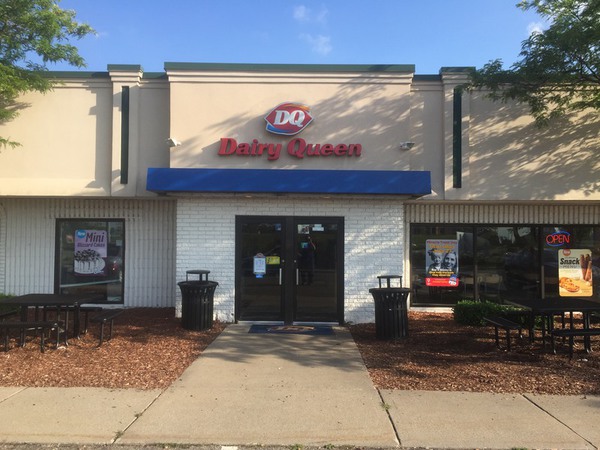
[{"x": 559, "y": 238}]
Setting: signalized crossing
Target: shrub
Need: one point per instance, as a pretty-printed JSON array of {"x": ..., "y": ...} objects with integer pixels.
[
  {"x": 470, "y": 312},
  {"x": 4, "y": 308}
]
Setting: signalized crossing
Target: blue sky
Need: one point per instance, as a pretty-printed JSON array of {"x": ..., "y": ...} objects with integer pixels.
[{"x": 427, "y": 33}]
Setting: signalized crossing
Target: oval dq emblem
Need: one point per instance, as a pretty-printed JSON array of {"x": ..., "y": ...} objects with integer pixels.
[{"x": 288, "y": 119}]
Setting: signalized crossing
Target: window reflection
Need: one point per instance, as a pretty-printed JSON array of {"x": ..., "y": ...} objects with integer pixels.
[{"x": 499, "y": 263}]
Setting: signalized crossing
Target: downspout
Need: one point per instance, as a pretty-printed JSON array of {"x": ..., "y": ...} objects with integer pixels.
[
  {"x": 457, "y": 138},
  {"x": 125, "y": 135}
]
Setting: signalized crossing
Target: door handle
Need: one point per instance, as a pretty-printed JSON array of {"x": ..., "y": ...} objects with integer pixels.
[
  {"x": 280, "y": 276},
  {"x": 297, "y": 276}
]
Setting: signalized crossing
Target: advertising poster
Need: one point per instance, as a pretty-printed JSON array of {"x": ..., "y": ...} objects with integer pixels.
[
  {"x": 260, "y": 265},
  {"x": 575, "y": 272},
  {"x": 441, "y": 262},
  {"x": 90, "y": 252}
]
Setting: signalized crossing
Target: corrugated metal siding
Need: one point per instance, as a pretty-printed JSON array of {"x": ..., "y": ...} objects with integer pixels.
[
  {"x": 2, "y": 247},
  {"x": 29, "y": 241},
  {"x": 555, "y": 214}
]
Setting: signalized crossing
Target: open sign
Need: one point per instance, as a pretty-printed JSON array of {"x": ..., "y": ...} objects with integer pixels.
[{"x": 557, "y": 239}]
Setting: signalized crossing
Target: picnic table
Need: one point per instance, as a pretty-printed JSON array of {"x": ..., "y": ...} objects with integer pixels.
[
  {"x": 62, "y": 302},
  {"x": 548, "y": 308}
]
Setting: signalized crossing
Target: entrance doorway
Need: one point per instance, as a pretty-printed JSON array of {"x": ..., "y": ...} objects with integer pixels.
[{"x": 289, "y": 269}]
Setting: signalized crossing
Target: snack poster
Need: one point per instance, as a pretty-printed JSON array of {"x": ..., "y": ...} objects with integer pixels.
[
  {"x": 441, "y": 261},
  {"x": 90, "y": 252},
  {"x": 575, "y": 272}
]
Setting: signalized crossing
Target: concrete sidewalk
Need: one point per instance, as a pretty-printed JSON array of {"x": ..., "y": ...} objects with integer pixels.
[{"x": 286, "y": 390}]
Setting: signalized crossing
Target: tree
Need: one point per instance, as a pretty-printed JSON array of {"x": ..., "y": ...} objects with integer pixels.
[
  {"x": 559, "y": 70},
  {"x": 33, "y": 33}
]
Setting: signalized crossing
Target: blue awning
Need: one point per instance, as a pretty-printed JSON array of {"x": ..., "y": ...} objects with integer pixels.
[{"x": 378, "y": 182}]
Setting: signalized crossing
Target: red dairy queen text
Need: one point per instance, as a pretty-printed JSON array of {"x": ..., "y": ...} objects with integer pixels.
[
  {"x": 287, "y": 119},
  {"x": 297, "y": 148}
]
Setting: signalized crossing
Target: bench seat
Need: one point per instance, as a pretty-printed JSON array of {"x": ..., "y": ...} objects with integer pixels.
[
  {"x": 23, "y": 327},
  {"x": 571, "y": 333},
  {"x": 106, "y": 316},
  {"x": 83, "y": 309},
  {"x": 6, "y": 314},
  {"x": 507, "y": 325}
]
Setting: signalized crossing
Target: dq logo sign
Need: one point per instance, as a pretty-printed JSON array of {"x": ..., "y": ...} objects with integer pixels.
[{"x": 288, "y": 119}]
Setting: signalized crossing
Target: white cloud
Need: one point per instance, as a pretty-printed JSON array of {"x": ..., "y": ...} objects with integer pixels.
[
  {"x": 304, "y": 14},
  {"x": 321, "y": 16},
  {"x": 301, "y": 13},
  {"x": 319, "y": 44},
  {"x": 535, "y": 27}
]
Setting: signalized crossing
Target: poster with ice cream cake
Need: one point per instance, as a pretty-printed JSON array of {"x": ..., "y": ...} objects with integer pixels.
[
  {"x": 90, "y": 252},
  {"x": 575, "y": 272}
]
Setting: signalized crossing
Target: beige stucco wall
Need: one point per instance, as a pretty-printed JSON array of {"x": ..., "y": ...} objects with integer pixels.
[
  {"x": 71, "y": 136},
  {"x": 65, "y": 138},
  {"x": 71, "y": 139},
  {"x": 510, "y": 158},
  {"x": 427, "y": 132},
  {"x": 370, "y": 109}
]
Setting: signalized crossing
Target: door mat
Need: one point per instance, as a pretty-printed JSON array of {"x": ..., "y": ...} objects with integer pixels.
[{"x": 292, "y": 329}]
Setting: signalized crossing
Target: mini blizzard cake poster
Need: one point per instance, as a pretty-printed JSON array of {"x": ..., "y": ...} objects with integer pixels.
[
  {"x": 90, "y": 252},
  {"x": 575, "y": 272}
]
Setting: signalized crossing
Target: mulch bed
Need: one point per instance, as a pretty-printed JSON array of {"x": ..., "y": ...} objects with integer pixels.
[
  {"x": 150, "y": 350},
  {"x": 440, "y": 354}
]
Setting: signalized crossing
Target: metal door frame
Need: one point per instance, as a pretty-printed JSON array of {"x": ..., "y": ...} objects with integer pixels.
[{"x": 288, "y": 296}]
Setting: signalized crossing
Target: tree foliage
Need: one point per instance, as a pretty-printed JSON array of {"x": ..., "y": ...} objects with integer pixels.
[
  {"x": 559, "y": 69},
  {"x": 33, "y": 33}
]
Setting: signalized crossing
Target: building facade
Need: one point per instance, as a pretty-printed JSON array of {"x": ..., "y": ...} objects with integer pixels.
[{"x": 295, "y": 186}]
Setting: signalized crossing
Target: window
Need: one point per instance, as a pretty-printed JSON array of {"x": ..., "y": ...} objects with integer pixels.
[
  {"x": 561, "y": 243},
  {"x": 500, "y": 262},
  {"x": 452, "y": 239},
  {"x": 90, "y": 258},
  {"x": 507, "y": 262}
]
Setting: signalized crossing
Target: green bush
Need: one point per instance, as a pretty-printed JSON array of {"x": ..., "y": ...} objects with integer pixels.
[
  {"x": 469, "y": 312},
  {"x": 4, "y": 308}
]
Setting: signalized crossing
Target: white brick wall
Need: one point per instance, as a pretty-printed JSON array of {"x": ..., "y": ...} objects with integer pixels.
[{"x": 374, "y": 237}]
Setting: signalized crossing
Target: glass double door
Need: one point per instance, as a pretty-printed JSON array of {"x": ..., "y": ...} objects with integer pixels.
[{"x": 289, "y": 269}]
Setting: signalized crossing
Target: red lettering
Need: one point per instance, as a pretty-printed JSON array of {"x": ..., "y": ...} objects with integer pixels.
[
  {"x": 297, "y": 147},
  {"x": 558, "y": 239},
  {"x": 243, "y": 149},
  {"x": 340, "y": 150},
  {"x": 313, "y": 149},
  {"x": 326, "y": 150},
  {"x": 228, "y": 146},
  {"x": 354, "y": 149}
]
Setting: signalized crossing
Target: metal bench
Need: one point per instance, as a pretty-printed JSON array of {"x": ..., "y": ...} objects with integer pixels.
[
  {"x": 571, "y": 333},
  {"x": 107, "y": 315},
  {"x": 23, "y": 327},
  {"x": 506, "y": 325},
  {"x": 4, "y": 315},
  {"x": 85, "y": 310}
]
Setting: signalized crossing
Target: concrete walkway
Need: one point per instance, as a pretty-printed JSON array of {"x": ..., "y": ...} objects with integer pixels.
[{"x": 287, "y": 390}]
